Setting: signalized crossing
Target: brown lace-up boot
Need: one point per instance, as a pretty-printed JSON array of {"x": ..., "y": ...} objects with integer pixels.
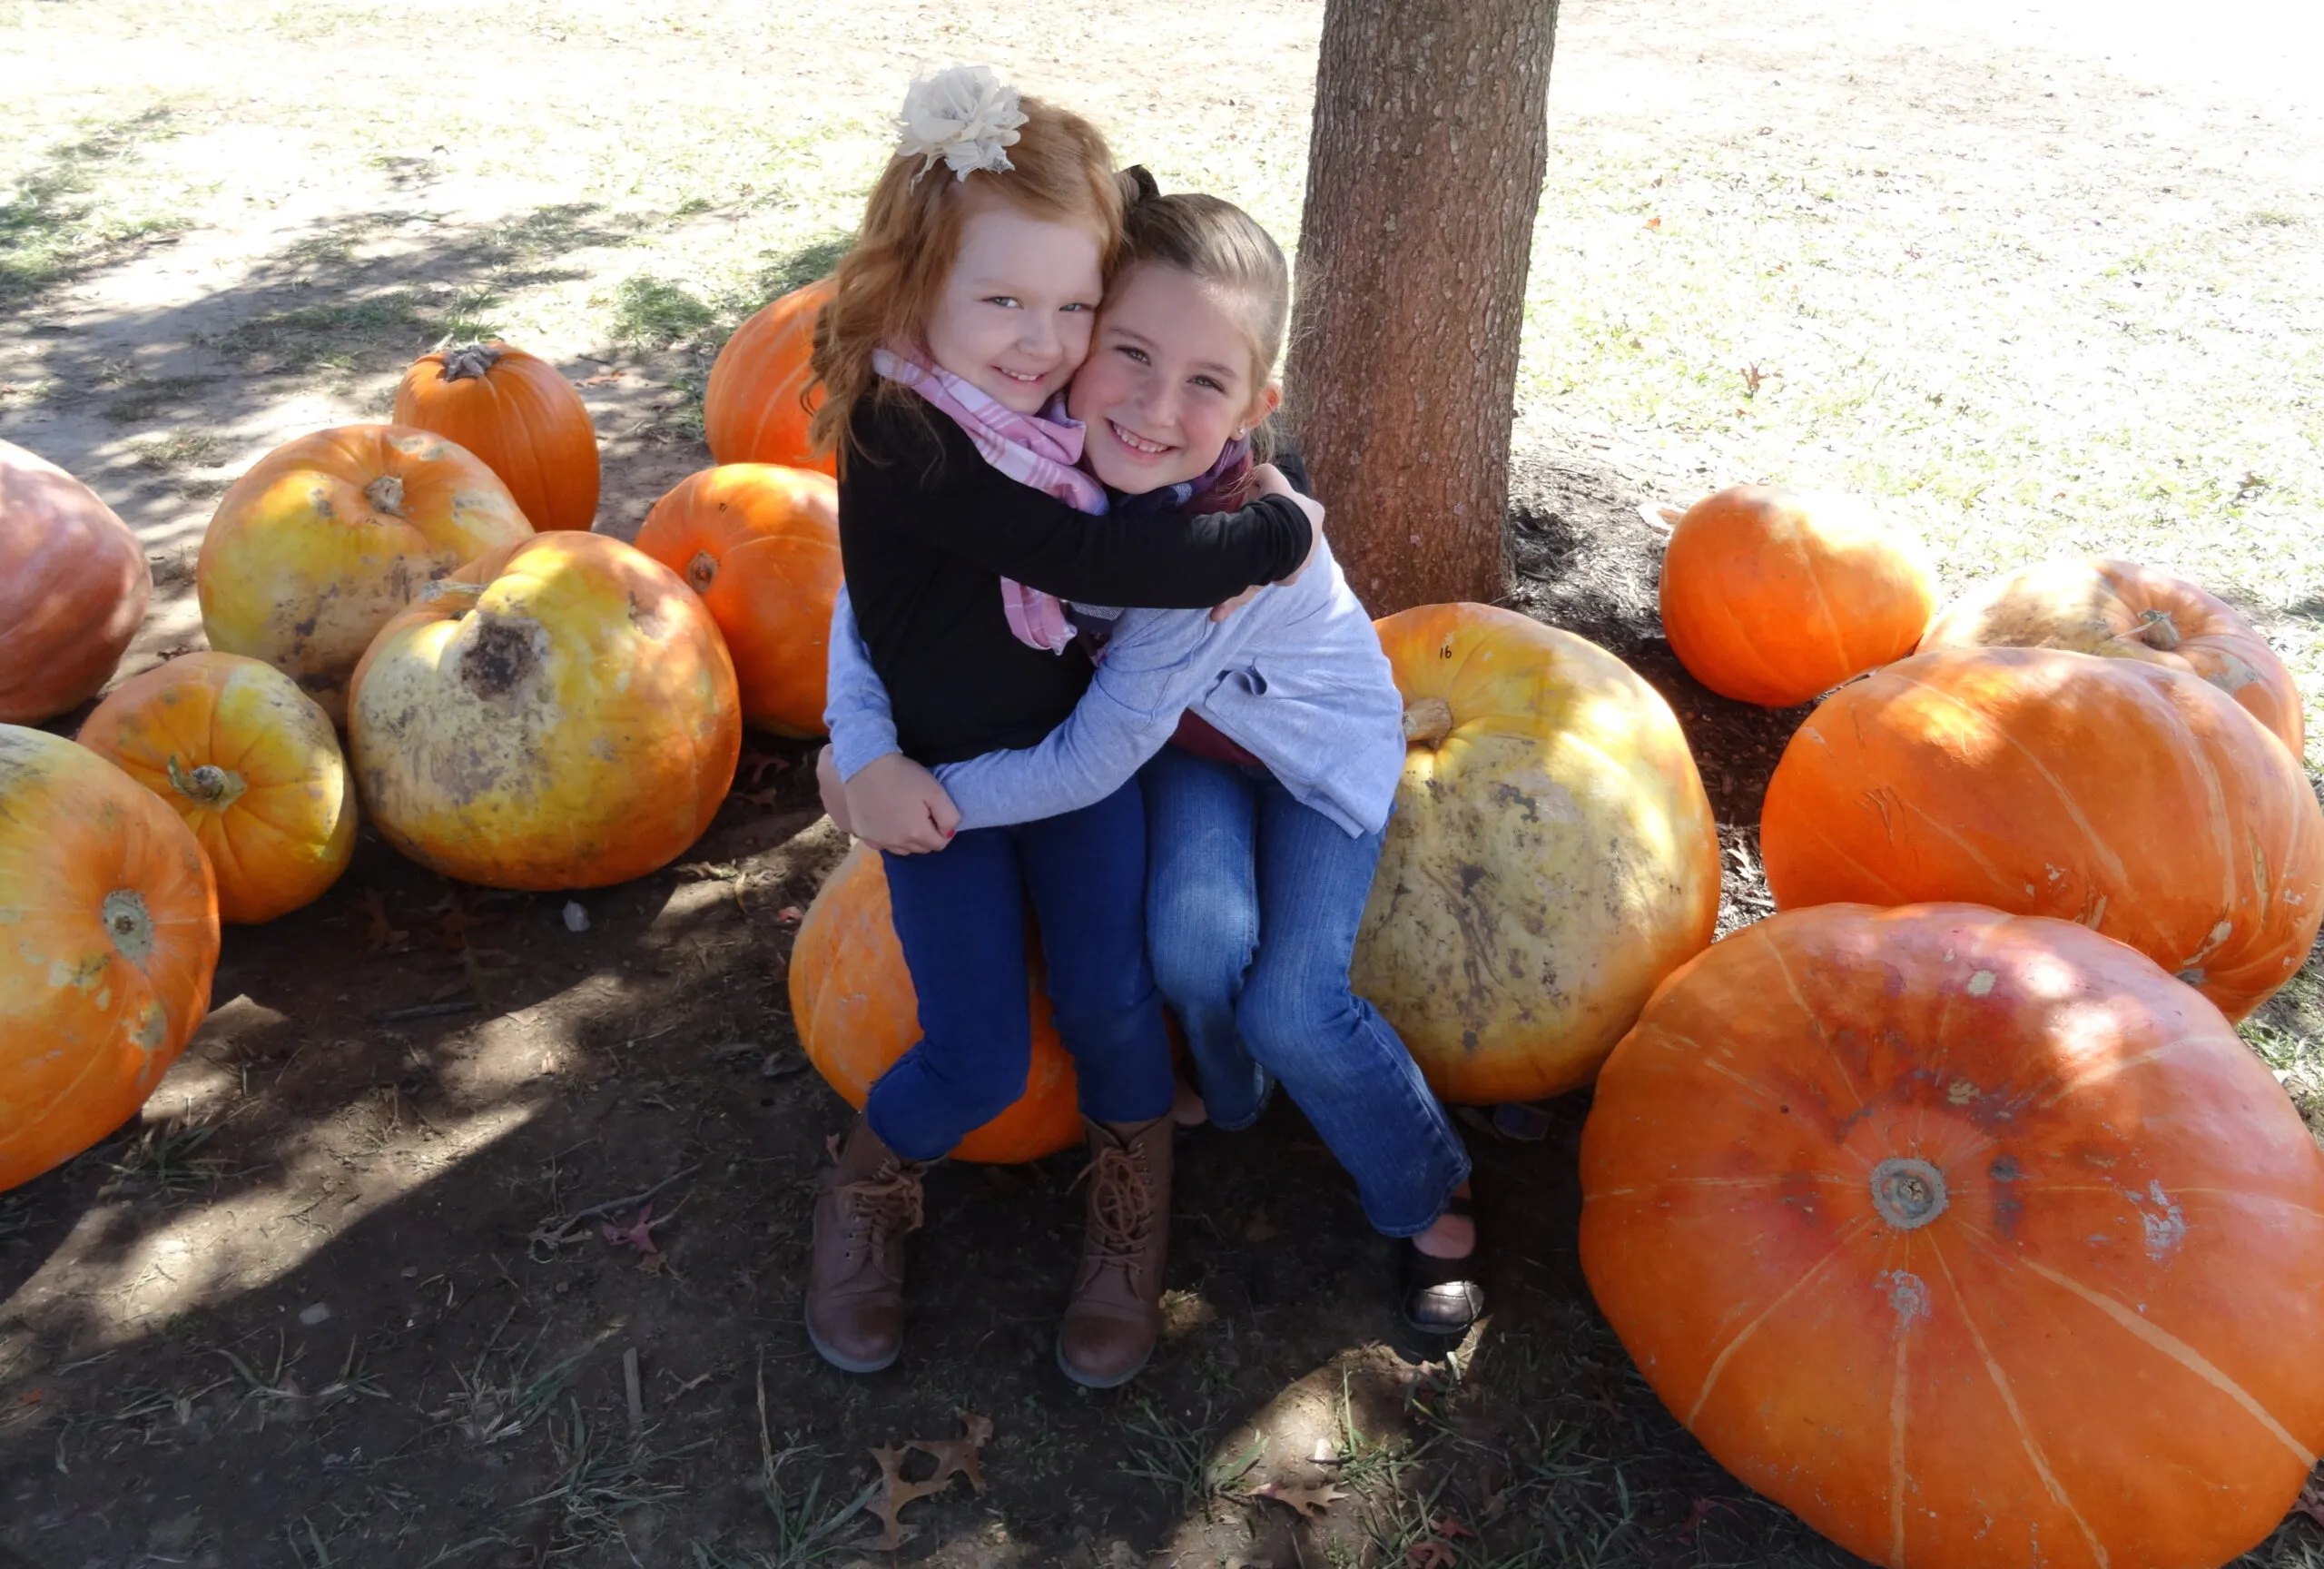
[
  {"x": 869, "y": 1203},
  {"x": 1115, "y": 1315}
]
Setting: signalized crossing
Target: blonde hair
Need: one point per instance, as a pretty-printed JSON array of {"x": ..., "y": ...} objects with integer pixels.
[
  {"x": 886, "y": 286},
  {"x": 1221, "y": 246}
]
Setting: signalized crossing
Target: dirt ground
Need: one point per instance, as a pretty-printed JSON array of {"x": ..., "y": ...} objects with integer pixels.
[{"x": 364, "y": 1284}]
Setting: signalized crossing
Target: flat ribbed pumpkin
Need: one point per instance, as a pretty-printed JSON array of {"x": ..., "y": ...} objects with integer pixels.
[
  {"x": 521, "y": 415},
  {"x": 73, "y": 589},
  {"x": 852, "y": 999},
  {"x": 108, "y": 942},
  {"x": 1771, "y": 597},
  {"x": 750, "y": 408},
  {"x": 328, "y": 535},
  {"x": 1551, "y": 857},
  {"x": 760, "y": 543},
  {"x": 252, "y": 764},
  {"x": 2136, "y": 800},
  {"x": 559, "y": 714},
  {"x": 2126, "y": 611},
  {"x": 1974, "y": 1240}
]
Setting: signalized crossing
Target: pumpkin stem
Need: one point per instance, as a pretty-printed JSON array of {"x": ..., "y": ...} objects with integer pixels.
[
  {"x": 212, "y": 786},
  {"x": 2158, "y": 630},
  {"x": 701, "y": 570},
  {"x": 1908, "y": 1192},
  {"x": 385, "y": 494},
  {"x": 468, "y": 361},
  {"x": 128, "y": 924},
  {"x": 1428, "y": 721}
]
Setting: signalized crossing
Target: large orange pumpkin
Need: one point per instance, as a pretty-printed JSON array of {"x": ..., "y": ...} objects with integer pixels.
[
  {"x": 1551, "y": 857},
  {"x": 312, "y": 550},
  {"x": 1771, "y": 597},
  {"x": 2126, "y": 611},
  {"x": 73, "y": 589},
  {"x": 1975, "y": 1240},
  {"x": 521, "y": 415},
  {"x": 108, "y": 942},
  {"x": 2134, "y": 799},
  {"x": 560, "y": 713},
  {"x": 252, "y": 765},
  {"x": 760, "y": 543},
  {"x": 851, "y": 998},
  {"x": 751, "y": 408}
]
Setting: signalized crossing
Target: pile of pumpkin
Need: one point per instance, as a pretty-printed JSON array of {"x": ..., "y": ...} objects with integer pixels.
[
  {"x": 526, "y": 703},
  {"x": 1945, "y": 1206}
]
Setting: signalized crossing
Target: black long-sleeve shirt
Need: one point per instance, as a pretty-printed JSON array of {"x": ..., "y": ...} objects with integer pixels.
[{"x": 926, "y": 530}]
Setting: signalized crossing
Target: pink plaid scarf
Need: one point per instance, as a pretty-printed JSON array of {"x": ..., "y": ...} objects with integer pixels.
[{"x": 1035, "y": 450}]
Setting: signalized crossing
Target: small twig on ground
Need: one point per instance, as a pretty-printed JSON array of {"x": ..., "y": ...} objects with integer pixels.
[
  {"x": 427, "y": 1011},
  {"x": 555, "y": 1231}
]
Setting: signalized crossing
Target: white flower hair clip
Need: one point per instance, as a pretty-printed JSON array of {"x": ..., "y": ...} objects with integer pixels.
[{"x": 965, "y": 115}]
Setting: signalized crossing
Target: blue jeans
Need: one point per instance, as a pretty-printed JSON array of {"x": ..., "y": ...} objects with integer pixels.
[
  {"x": 959, "y": 915},
  {"x": 1253, "y": 902}
]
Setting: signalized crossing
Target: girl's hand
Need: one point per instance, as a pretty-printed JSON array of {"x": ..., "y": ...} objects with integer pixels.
[
  {"x": 897, "y": 806},
  {"x": 834, "y": 790}
]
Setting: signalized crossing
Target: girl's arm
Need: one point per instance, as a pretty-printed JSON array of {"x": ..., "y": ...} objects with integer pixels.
[
  {"x": 855, "y": 704},
  {"x": 1157, "y": 663},
  {"x": 970, "y": 509}
]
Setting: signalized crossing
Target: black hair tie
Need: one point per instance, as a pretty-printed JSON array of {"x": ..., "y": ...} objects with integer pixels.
[{"x": 1142, "y": 182}]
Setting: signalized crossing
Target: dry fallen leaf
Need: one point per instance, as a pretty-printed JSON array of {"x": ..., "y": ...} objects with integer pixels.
[
  {"x": 1452, "y": 1530},
  {"x": 1311, "y": 1502},
  {"x": 2311, "y": 1502},
  {"x": 1429, "y": 1553},
  {"x": 637, "y": 1234},
  {"x": 953, "y": 1456},
  {"x": 382, "y": 935}
]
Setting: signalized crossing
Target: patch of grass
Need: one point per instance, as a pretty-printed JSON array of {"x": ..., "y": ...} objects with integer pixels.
[
  {"x": 307, "y": 336},
  {"x": 600, "y": 1481},
  {"x": 180, "y": 450},
  {"x": 51, "y": 227},
  {"x": 164, "y": 1156},
  {"x": 652, "y": 312},
  {"x": 494, "y": 1403},
  {"x": 1182, "y": 1458},
  {"x": 798, "y": 268},
  {"x": 140, "y": 397}
]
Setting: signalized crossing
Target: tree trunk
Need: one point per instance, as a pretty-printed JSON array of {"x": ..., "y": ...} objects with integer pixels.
[{"x": 1425, "y": 172}]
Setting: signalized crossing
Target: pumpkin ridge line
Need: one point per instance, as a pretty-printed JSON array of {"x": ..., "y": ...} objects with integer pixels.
[
  {"x": 2214, "y": 791},
  {"x": 1824, "y": 605},
  {"x": 2017, "y": 1416},
  {"x": 2178, "y": 1192},
  {"x": 2179, "y": 1351},
  {"x": 1895, "y": 892},
  {"x": 2066, "y": 798},
  {"x": 1899, "y": 1405},
  {"x": 1823, "y": 1038},
  {"x": 2006, "y": 885},
  {"x": 2118, "y": 1066},
  {"x": 1840, "y": 1240}
]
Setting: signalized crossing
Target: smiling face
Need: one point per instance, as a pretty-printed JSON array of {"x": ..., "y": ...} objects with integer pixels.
[
  {"x": 1169, "y": 381},
  {"x": 1014, "y": 315}
]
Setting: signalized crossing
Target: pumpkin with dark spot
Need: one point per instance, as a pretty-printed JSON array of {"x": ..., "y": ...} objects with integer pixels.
[
  {"x": 2014, "y": 1263},
  {"x": 760, "y": 544},
  {"x": 2138, "y": 800},
  {"x": 327, "y": 537},
  {"x": 1552, "y": 855},
  {"x": 108, "y": 942},
  {"x": 560, "y": 712}
]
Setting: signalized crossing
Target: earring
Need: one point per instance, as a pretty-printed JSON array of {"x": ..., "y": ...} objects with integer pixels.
[{"x": 1245, "y": 430}]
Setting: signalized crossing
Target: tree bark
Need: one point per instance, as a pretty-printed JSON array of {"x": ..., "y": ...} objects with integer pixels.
[{"x": 1425, "y": 173}]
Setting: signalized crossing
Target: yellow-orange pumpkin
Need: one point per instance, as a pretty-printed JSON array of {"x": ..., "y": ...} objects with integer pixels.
[
  {"x": 521, "y": 415},
  {"x": 1771, "y": 597},
  {"x": 560, "y": 713},
  {"x": 252, "y": 764},
  {"x": 2134, "y": 799},
  {"x": 851, "y": 998},
  {"x": 760, "y": 543},
  {"x": 327, "y": 537},
  {"x": 2126, "y": 611},
  {"x": 111, "y": 939},
  {"x": 1975, "y": 1240},
  {"x": 752, "y": 410},
  {"x": 73, "y": 589},
  {"x": 1551, "y": 857}
]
